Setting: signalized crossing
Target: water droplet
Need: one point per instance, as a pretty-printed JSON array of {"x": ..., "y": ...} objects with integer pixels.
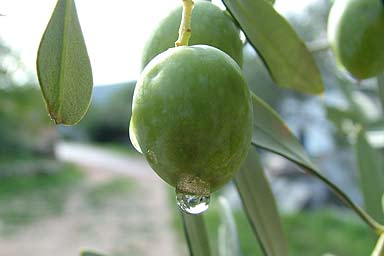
[{"x": 192, "y": 204}]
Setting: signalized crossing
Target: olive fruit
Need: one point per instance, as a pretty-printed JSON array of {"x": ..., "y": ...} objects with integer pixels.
[
  {"x": 356, "y": 33},
  {"x": 192, "y": 118},
  {"x": 210, "y": 26}
]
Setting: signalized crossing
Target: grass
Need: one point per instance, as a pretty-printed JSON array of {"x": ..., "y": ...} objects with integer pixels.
[
  {"x": 308, "y": 233},
  {"x": 36, "y": 188},
  {"x": 326, "y": 231},
  {"x": 28, "y": 198},
  {"x": 15, "y": 158}
]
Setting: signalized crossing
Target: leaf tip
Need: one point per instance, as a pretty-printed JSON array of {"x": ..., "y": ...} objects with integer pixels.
[
  {"x": 85, "y": 252},
  {"x": 58, "y": 120}
]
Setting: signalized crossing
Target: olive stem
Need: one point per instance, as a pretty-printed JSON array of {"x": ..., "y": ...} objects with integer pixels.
[
  {"x": 379, "y": 248},
  {"x": 185, "y": 25},
  {"x": 377, "y": 227}
]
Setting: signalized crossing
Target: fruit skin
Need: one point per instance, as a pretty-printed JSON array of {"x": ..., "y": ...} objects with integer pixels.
[
  {"x": 210, "y": 26},
  {"x": 356, "y": 33},
  {"x": 192, "y": 115}
]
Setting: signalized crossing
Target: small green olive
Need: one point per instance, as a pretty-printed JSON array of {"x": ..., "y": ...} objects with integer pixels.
[
  {"x": 356, "y": 33},
  {"x": 192, "y": 117},
  {"x": 210, "y": 26}
]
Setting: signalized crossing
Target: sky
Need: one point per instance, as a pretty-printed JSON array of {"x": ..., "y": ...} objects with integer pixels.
[{"x": 114, "y": 31}]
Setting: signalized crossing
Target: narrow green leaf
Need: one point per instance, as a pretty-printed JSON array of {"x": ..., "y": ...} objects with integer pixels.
[
  {"x": 63, "y": 66},
  {"x": 271, "y": 133},
  {"x": 287, "y": 58},
  {"x": 196, "y": 234},
  {"x": 260, "y": 206},
  {"x": 90, "y": 253},
  {"x": 371, "y": 174},
  {"x": 380, "y": 84},
  {"x": 228, "y": 238}
]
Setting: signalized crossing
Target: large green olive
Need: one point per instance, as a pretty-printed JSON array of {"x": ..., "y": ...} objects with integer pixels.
[
  {"x": 210, "y": 26},
  {"x": 192, "y": 117},
  {"x": 356, "y": 33}
]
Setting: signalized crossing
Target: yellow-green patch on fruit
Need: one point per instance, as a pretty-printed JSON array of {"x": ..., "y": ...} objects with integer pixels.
[
  {"x": 356, "y": 33},
  {"x": 192, "y": 117},
  {"x": 210, "y": 26}
]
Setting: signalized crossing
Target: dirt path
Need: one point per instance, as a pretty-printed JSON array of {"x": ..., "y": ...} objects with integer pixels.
[{"x": 140, "y": 224}]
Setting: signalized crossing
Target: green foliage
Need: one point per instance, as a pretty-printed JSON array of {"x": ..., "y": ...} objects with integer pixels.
[
  {"x": 272, "y": 134},
  {"x": 24, "y": 127},
  {"x": 260, "y": 206},
  {"x": 286, "y": 56},
  {"x": 371, "y": 174},
  {"x": 7, "y": 57},
  {"x": 369, "y": 160},
  {"x": 63, "y": 66},
  {"x": 338, "y": 116},
  {"x": 316, "y": 233},
  {"x": 308, "y": 233},
  {"x": 26, "y": 198}
]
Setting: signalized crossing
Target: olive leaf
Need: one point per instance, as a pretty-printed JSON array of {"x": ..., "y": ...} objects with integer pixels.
[
  {"x": 380, "y": 84},
  {"x": 288, "y": 60},
  {"x": 371, "y": 174},
  {"x": 63, "y": 66},
  {"x": 196, "y": 234},
  {"x": 260, "y": 206},
  {"x": 271, "y": 133},
  {"x": 228, "y": 237}
]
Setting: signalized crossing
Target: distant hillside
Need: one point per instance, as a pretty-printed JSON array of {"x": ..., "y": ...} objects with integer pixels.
[{"x": 108, "y": 116}]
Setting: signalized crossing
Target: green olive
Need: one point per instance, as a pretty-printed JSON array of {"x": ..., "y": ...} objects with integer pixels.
[
  {"x": 356, "y": 33},
  {"x": 210, "y": 25},
  {"x": 192, "y": 117}
]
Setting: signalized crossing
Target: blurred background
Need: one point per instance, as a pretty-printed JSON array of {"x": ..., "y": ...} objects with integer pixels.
[{"x": 67, "y": 188}]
